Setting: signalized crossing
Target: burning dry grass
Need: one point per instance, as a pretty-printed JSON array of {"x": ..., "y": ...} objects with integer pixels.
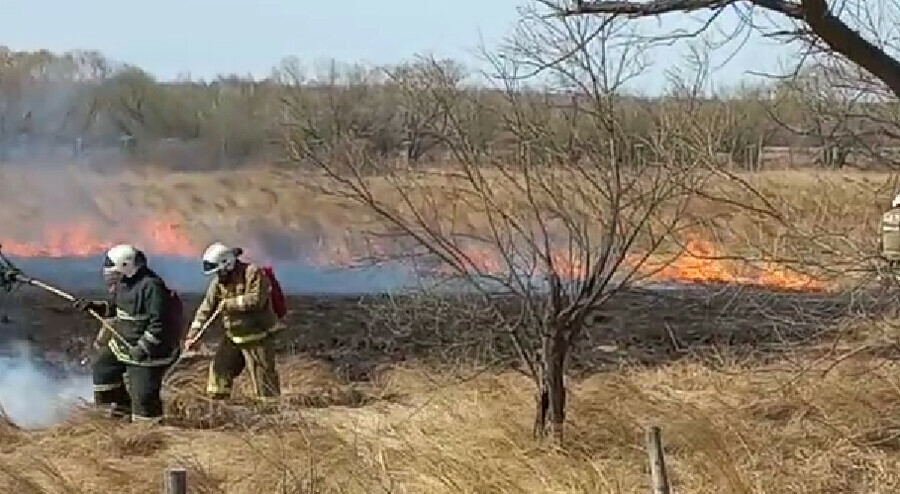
[
  {"x": 818, "y": 225},
  {"x": 730, "y": 429},
  {"x": 82, "y": 208}
]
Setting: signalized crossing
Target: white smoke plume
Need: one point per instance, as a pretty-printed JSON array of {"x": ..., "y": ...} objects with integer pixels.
[{"x": 31, "y": 395}]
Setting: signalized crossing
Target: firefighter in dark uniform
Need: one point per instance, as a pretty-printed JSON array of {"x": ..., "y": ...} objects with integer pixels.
[
  {"x": 136, "y": 310},
  {"x": 244, "y": 293}
]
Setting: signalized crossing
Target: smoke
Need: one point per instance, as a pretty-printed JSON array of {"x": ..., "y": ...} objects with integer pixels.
[
  {"x": 186, "y": 275},
  {"x": 35, "y": 393}
]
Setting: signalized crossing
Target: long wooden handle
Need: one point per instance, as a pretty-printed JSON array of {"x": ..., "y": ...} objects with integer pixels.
[
  {"x": 51, "y": 289},
  {"x": 208, "y": 322},
  {"x": 171, "y": 370},
  {"x": 71, "y": 298}
]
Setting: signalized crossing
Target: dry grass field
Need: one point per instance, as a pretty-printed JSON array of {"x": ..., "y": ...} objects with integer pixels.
[
  {"x": 365, "y": 410},
  {"x": 746, "y": 405},
  {"x": 65, "y": 210}
]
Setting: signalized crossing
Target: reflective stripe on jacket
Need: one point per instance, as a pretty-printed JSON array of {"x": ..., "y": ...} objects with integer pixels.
[
  {"x": 136, "y": 311},
  {"x": 247, "y": 313},
  {"x": 122, "y": 355}
]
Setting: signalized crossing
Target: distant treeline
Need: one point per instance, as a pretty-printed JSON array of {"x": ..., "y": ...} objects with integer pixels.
[{"x": 82, "y": 101}]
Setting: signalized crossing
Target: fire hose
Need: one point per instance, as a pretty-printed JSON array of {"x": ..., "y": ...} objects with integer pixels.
[{"x": 10, "y": 275}]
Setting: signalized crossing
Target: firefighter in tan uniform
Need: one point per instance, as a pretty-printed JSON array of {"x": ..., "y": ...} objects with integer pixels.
[
  {"x": 244, "y": 293},
  {"x": 890, "y": 234}
]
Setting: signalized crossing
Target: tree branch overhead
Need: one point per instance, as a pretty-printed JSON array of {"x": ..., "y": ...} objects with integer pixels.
[
  {"x": 659, "y": 7},
  {"x": 643, "y": 9},
  {"x": 821, "y": 22}
]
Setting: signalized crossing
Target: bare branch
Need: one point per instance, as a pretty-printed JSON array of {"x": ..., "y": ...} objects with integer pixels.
[{"x": 660, "y": 7}]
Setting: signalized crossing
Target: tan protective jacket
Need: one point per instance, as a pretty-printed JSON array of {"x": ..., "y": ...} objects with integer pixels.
[{"x": 247, "y": 313}]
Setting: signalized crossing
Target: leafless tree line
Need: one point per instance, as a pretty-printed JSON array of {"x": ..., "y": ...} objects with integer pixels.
[{"x": 51, "y": 100}]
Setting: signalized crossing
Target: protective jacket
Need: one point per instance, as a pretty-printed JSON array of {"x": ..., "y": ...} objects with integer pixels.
[
  {"x": 890, "y": 234},
  {"x": 247, "y": 313},
  {"x": 136, "y": 311}
]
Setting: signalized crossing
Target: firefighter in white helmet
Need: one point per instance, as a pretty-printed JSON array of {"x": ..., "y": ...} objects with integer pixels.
[
  {"x": 244, "y": 292},
  {"x": 138, "y": 310}
]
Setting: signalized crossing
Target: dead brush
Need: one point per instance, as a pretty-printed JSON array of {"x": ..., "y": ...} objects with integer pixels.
[
  {"x": 144, "y": 442},
  {"x": 192, "y": 410},
  {"x": 118, "y": 438},
  {"x": 83, "y": 420},
  {"x": 747, "y": 429},
  {"x": 38, "y": 476},
  {"x": 340, "y": 396}
]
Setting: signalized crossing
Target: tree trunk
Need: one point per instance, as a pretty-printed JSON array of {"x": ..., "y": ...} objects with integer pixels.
[{"x": 550, "y": 413}]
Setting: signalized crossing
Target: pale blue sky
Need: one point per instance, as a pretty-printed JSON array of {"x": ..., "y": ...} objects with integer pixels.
[{"x": 205, "y": 37}]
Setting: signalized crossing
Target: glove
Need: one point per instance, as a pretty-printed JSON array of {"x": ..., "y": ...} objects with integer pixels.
[
  {"x": 138, "y": 353},
  {"x": 85, "y": 305},
  {"x": 9, "y": 276}
]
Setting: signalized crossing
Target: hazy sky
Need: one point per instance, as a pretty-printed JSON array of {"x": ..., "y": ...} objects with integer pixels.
[{"x": 206, "y": 37}]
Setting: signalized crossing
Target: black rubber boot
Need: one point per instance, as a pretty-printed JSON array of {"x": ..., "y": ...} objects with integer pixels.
[{"x": 115, "y": 403}]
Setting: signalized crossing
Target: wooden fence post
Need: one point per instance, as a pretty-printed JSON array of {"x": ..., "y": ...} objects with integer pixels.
[
  {"x": 176, "y": 481},
  {"x": 658, "y": 475}
]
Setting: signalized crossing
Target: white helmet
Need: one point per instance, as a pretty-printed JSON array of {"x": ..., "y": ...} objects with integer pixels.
[
  {"x": 122, "y": 260},
  {"x": 219, "y": 258}
]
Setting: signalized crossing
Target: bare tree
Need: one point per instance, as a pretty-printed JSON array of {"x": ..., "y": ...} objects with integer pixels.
[
  {"x": 562, "y": 223},
  {"x": 421, "y": 115}
]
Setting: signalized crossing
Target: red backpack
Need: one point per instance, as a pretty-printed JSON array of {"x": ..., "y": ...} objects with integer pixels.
[{"x": 279, "y": 304}]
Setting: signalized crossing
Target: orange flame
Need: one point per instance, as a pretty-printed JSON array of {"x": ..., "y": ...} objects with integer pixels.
[
  {"x": 701, "y": 263},
  {"x": 164, "y": 237},
  {"x": 82, "y": 239}
]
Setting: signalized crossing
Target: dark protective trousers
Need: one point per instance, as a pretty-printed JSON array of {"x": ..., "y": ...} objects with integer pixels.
[
  {"x": 258, "y": 358},
  {"x": 140, "y": 399}
]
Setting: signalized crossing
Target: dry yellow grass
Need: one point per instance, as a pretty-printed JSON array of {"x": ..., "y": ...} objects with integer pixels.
[{"x": 733, "y": 429}]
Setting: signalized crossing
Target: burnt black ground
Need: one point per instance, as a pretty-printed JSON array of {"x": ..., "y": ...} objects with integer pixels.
[{"x": 356, "y": 334}]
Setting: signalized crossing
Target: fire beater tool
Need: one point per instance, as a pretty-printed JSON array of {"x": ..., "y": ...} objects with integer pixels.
[
  {"x": 11, "y": 275},
  {"x": 185, "y": 355}
]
